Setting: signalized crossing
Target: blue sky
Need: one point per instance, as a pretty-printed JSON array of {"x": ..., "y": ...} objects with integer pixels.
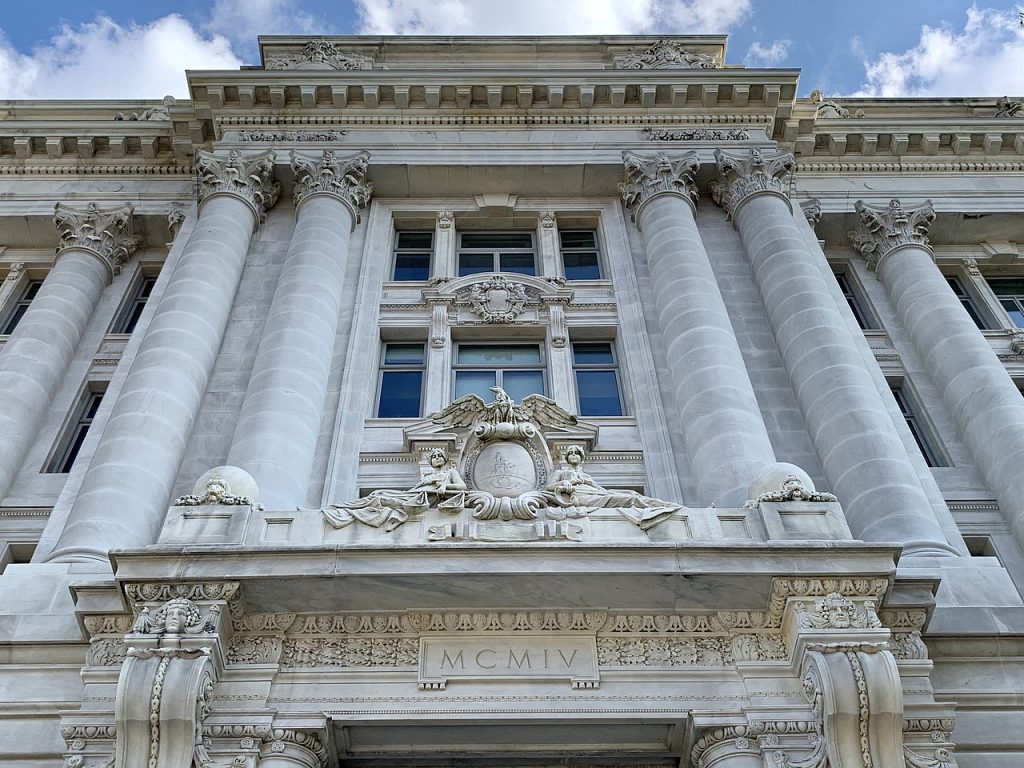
[{"x": 127, "y": 48}]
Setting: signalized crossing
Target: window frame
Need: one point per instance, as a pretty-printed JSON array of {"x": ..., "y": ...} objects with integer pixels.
[
  {"x": 11, "y": 317},
  {"x": 397, "y": 250},
  {"x": 613, "y": 367},
  {"x": 968, "y": 301},
  {"x": 127, "y": 319},
  {"x": 920, "y": 427},
  {"x": 856, "y": 300},
  {"x": 541, "y": 366},
  {"x": 597, "y": 250},
  {"x": 75, "y": 431},
  {"x": 383, "y": 368},
  {"x": 497, "y": 252},
  {"x": 1017, "y": 298}
]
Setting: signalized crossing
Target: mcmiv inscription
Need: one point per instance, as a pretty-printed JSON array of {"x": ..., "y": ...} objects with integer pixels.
[{"x": 558, "y": 657}]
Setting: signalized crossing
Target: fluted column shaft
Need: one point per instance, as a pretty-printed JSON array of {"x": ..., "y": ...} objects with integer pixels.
[
  {"x": 861, "y": 452},
  {"x": 722, "y": 427},
  {"x": 124, "y": 496},
  {"x": 36, "y": 356},
  {"x": 275, "y": 439},
  {"x": 975, "y": 387}
]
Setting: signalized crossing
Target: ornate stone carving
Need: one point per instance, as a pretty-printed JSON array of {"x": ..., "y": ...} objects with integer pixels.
[
  {"x": 883, "y": 230},
  {"x": 177, "y": 616},
  {"x": 160, "y": 593},
  {"x": 253, "y": 649},
  {"x": 834, "y": 611},
  {"x": 108, "y": 625},
  {"x": 1005, "y": 107},
  {"x": 396, "y": 652},
  {"x": 158, "y": 114},
  {"x": 828, "y": 108},
  {"x": 792, "y": 489},
  {"x": 106, "y": 652},
  {"x": 319, "y": 54},
  {"x": 175, "y": 218},
  {"x": 812, "y": 211},
  {"x": 695, "y": 134},
  {"x": 909, "y": 646},
  {"x": 547, "y": 219},
  {"x": 445, "y": 219},
  {"x": 343, "y": 178},
  {"x": 264, "y": 136},
  {"x": 14, "y": 272},
  {"x": 941, "y": 758},
  {"x": 504, "y": 418},
  {"x": 665, "y": 54},
  {"x": 1017, "y": 343},
  {"x": 664, "y": 652},
  {"x": 107, "y": 233},
  {"x": 216, "y": 490},
  {"x": 497, "y": 300},
  {"x": 250, "y": 178},
  {"x": 744, "y": 174},
  {"x": 647, "y": 177},
  {"x": 971, "y": 265},
  {"x": 759, "y": 647}
]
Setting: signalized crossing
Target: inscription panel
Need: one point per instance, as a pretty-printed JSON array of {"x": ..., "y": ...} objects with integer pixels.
[{"x": 564, "y": 657}]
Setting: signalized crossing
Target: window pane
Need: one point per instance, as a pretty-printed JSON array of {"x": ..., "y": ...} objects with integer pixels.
[
  {"x": 497, "y": 240},
  {"x": 412, "y": 266},
  {"x": 400, "y": 394},
  {"x": 15, "y": 318},
  {"x": 581, "y": 265},
  {"x": 403, "y": 354},
  {"x": 598, "y": 393},
  {"x": 1007, "y": 287},
  {"x": 498, "y": 354},
  {"x": 415, "y": 240},
  {"x": 592, "y": 353},
  {"x": 520, "y": 263},
  {"x": 519, "y": 384},
  {"x": 578, "y": 239},
  {"x": 475, "y": 263},
  {"x": 1014, "y": 310},
  {"x": 475, "y": 383}
]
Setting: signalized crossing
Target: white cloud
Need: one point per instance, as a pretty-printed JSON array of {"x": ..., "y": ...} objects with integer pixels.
[
  {"x": 242, "y": 21},
  {"x": 759, "y": 54},
  {"x": 986, "y": 58},
  {"x": 105, "y": 60},
  {"x": 538, "y": 17}
]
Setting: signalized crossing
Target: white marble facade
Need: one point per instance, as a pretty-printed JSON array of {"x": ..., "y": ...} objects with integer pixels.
[{"x": 753, "y": 496}]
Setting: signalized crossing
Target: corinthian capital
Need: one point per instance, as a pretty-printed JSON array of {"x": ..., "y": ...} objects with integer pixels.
[
  {"x": 106, "y": 233},
  {"x": 744, "y": 174},
  {"x": 648, "y": 177},
  {"x": 250, "y": 178},
  {"x": 327, "y": 174},
  {"x": 883, "y": 230}
]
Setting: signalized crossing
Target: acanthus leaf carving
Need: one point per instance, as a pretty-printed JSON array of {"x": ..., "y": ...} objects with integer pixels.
[
  {"x": 319, "y": 54},
  {"x": 107, "y": 233},
  {"x": 665, "y": 54},
  {"x": 744, "y": 174},
  {"x": 247, "y": 177},
  {"x": 344, "y": 178},
  {"x": 647, "y": 177},
  {"x": 695, "y": 134},
  {"x": 941, "y": 758},
  {"x": 883, "y": 230}
]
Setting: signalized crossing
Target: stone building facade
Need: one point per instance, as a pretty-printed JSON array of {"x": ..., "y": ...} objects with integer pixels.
[{"x": 567, "y": 401}]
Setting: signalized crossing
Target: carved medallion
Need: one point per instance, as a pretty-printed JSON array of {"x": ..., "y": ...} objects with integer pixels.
[
  {"x": 497, "y": 300},
  {"x": 504, "y": 469}
]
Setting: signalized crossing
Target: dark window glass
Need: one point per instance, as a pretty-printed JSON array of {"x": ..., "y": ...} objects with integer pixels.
[
  {"x": 580, "y": 256},
  {"x": 497, "y": 240},
  {"x": 597, "y": 379},
  {"x": 496, "y": 252},
  {"x": 516, "y": 368},
  {"x": 863, "y": 319},
  {"x": 965, "y": 299},
  {"x": 21, "y": 306},
  {"x": 475, "y": 263},
  {"x": 129, "y": 317},
  {"x": 412, "y": 256},
  {"x": 1011, "y": 297},
  {"x": 71, "y": 442},
  {"x": 401, "y": 381},
  {"x": 931, "y": 455}
]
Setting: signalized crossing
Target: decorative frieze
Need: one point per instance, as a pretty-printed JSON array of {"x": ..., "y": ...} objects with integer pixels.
[
  {"x": 695, "y": 134},
  {"x": 664, "y": 652},
  {"x": 647, "y": 177},
  {"x": 197, "y": 592},
  {"x": 319, "y": 54},
  {"x": 883, "y": 230},
  {"x": 744, "y": 174},
  {"x": 271, "y": 137},
  {"x": 328, "y": 174},
  {"x": 665, "y": 54},
  {"x": 250, "y": 178},
  {"x": 397, "y": 652},
  {"x": 106, "y": 233}
]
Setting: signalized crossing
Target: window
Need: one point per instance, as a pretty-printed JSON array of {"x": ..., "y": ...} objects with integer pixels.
[
  {"x": 1011, "y": 295},
  {"x": 401, "y": 381},
  {"x": 126, "y": 321},
  {"x": 965, "y": 299},
  {"x": 579, "y": 255},
  {"x": 496, "y": 252},
  {"x": 21, "y": 306},
  {"x": 412, "y": 255},
  {"x": 856, "y": 304},
  {"x": 516, "y": 368},
  {"x": 71, "y": 443},
  {"x": 917, "y": 428},
  {"x": 597, "y": 380}
]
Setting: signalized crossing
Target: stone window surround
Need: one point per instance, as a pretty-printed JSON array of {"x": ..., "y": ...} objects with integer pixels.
[
  {"x": 922, "y": 429},
  {"x": 76, "y": 417}
]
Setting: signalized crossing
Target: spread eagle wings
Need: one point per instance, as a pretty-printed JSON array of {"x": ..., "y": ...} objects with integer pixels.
[
  {"x": 464, "y": 412},
  {"x": 546, "y": 412},
  {"x": 470, "y": 409}
]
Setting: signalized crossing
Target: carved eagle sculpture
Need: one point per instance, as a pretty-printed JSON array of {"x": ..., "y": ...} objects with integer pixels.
[{"x": 535, "y": 409}]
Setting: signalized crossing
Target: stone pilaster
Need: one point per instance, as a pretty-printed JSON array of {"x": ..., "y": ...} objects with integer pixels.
[
  {"x": 861, "y": 452},
  {"x": 93, "y": 244},
  {"x": 124, "y": 496},
  {"x": 721, "y": 422},
  {"x": 275, "y": 439},
  {"x": 975, "y": 387}
]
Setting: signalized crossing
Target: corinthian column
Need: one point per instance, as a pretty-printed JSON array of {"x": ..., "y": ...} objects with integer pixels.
[
  {"x": 975, "y": 387},
  {"x": 280, "y": 421},
  {"x": 93, "y": 245},
  {"x": 861, "y": 452},
  {"x": 124, "y": 496},
  {"x": 722, "y": 426}
]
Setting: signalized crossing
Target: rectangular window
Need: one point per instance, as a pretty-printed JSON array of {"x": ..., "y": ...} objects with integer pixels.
[
  {"x": 401, "y": 381},
  {"x": 965, "y": 298},
  {"x": 496, "y": 252},
  {"x": 580, "y": 255},
  {"x": 126, "y": 321},
  {"x": 412, "y": 255},
  {"x": 597, "y": 379},
  {"x": 21, "y": 306},
  {"x": 1011, "y": 295},
  {"x": 856, "y": 303},
  {"x": 516, "y": 368},
  {"x": 917, "y": 428},
  {"x": 71, "y": 442}
]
